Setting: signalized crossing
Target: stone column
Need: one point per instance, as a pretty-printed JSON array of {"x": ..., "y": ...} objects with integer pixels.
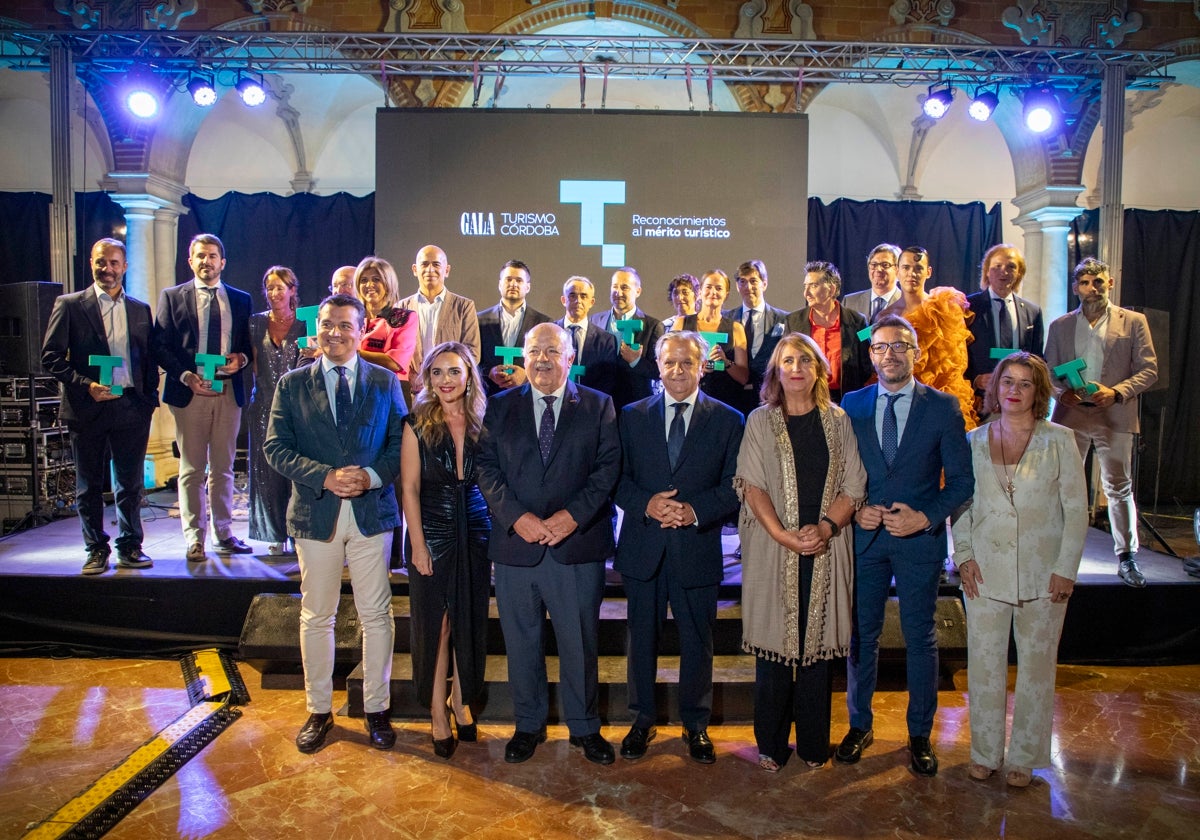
[
  {"x": 1046, "y": 216},
  {"x": 152, "y": 209}
]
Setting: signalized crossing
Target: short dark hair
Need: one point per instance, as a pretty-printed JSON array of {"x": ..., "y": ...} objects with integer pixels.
[
  {"x": 517, "y": 264},
  {"x": 207, "y": 239},
  {"x": 347, "y": 300},
  {"x": 916, "y": 250},
  {"x": 753, "y": 265},
  {"x": 628, "y": 269},
  {"x": 682, "y": 280},
  {"x": 109, "y": 242},
  {"x": 1091, "y": 265},
  {"x": 895, "y": 321},
  {"x": 829, "y": 273}
]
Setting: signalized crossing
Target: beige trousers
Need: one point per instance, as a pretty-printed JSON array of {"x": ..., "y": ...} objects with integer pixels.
[{"x": 206, "y": 431}]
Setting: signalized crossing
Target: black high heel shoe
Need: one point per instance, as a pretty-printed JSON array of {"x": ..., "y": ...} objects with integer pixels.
[
  {"x": 444, "y": 747},
  {"x": 467, "y": 732}
]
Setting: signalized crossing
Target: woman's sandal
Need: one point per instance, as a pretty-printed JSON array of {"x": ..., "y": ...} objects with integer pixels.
[{"x": 767, "y": 763}]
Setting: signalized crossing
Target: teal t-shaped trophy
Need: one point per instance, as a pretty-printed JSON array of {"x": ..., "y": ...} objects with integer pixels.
[
  {"x": 208, "y": 364},
  {"x": 107, "y": 364},
  {"x": 713, "y": 339},
  {"x": 309, "y": 315},
  {"x": 508, "y": 355},
  {"x": 1071, "y": 372},
  {"x": 627, "y": 329}
]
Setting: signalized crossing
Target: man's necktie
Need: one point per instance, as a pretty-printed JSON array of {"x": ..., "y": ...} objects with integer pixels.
[
  {"x": 343, "y": 403},
  {"x": 213, "y": 346},
  {"x": 675, "y": 436},
  {"x": 1006, "y": 327},
  {"x": 546, "y": 432},
  {"x": 750, "y": 332},
  {"x": 876, "y": 308},
  {"x": 891, "y": 437},
  {"x": 574, "y": 328}
]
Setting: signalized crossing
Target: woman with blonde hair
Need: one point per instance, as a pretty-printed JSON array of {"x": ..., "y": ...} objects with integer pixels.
[{"x": 446, "y": 543}]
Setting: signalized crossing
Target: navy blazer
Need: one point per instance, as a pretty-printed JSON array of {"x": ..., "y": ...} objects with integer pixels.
[
  {"x": 703, "y": 476},
  {"x": 934, "y": 444},
  {"x": 177, "y": 339},
  {"x": 1029, "y": 331},
  {"x": 774, "y": 328},
  {"x": 75, "y": 332},
  {"x": 600, "y": 359},
  {"x": 856, "y": 355},
  {"x": 491, "y": 336},
  {"x": 303, "y": 445},
  {"x": 584, "y": 465},
  {"x": 634, "y": 383}
]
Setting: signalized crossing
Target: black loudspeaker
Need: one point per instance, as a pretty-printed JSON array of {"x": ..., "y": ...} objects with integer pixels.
[
  {"x": 949, "y": 618},
  {"x": 272, "y": 630},
  {"x": 24, "y": 313},
  {"x": 1160, "y": 333}
]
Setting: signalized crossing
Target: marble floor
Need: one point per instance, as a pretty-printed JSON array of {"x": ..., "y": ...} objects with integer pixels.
[{"x": 1126, "y": 764}]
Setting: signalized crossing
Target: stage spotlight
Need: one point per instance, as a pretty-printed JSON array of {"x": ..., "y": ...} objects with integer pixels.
[
  {"x": 983, "y": 105},
  {"x": 1042, "y": 111},
  {"x": 937, "y": 103},
  {"x": 141, "y": 102},
  {"x": 202, "y": 91},
  {"x": 252, "y": 92}
]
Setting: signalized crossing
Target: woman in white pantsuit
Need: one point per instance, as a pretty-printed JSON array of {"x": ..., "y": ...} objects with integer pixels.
[{"x": 1018, "y": 547}]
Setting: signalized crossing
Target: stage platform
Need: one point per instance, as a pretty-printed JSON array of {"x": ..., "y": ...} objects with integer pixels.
[{"x": 176, "y": 605}]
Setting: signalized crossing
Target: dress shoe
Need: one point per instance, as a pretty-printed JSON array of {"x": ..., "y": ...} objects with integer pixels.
[
  {"x": 195, "y": 553},
  {"x": 522, "y": 745},
  {"x": 633, "y": 746},
  {"x": 232, "y": 545},
  {"x": 852, "y": 746},
  {"x": 700, "y": 748},
  {"x": 379, "y": 726},
  {"x": 96, "y": 562},
  {"x": 444, "y": 747},
  {"x": 595, "y": 748},
  {"x": 1128, "y": 571},
  {"x": 133, "y": 560},
  {"x": 312, "y": 734},
  {"x": 924, "y": 762}
]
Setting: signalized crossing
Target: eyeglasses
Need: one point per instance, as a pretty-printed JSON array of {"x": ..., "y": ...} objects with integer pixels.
[
  {"x": 897, "y": 347},
  {"x": 879, "y": 266}
]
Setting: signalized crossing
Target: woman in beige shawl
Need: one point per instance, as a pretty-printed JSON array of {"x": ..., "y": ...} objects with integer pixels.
[{"x": 800, "y": 480}]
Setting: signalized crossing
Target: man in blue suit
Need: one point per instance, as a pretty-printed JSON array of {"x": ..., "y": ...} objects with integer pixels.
[
  {"x": 679, "y": 455},
  {"x": 204, "y": 315},
  {"x": 549, "y": 461},
  {"x": 909, "y": 437},
  {"x": 595, "y": 348},
  {"x": 764, "y": 325},
  {"x": 335, "y": 432},
  {"x": 104, "y": 321}
]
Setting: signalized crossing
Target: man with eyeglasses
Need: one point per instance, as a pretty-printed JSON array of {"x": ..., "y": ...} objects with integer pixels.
[
  {"x": 909, "y": 437},
  {"x": 884, "y": 291},
  {"x": 1116, "y": 346}
]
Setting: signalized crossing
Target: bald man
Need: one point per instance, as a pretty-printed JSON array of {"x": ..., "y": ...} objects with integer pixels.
[{"x": 442, "y": 315}]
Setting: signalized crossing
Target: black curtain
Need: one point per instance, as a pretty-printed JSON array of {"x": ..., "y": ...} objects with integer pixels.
[
  {"x": 25, "y": 246},
  {"x": 310, "y": 234},
  {"x": 1161, "y": 271},
  {"x": 956, "y": 235}
]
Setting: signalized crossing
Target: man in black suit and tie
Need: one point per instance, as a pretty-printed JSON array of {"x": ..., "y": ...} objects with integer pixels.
[
  {"x": 206, "y": 316},
  {"x": 764, "y": 325},
  {"x": 104, "y": 420},
  {"x": 635, "y": 370},
  {"x": 1002, "y": 318},
  {"x": 595, "y": 348},
  {"x": 335, "y": 432},
  {"x": 505, "y": 325},
  {"x": 679, "y": 455},
  {"x": 913, "y": 445},
  {"x": 549, "y": 461}
]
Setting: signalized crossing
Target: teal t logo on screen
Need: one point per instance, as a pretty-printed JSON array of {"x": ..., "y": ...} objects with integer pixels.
[{"x": 591, "y": 196}]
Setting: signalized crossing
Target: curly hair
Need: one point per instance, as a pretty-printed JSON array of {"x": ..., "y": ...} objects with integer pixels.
[{"x": 429, "y": 420}]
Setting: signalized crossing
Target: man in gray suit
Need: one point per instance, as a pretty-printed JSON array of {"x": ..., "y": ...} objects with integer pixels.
[
  {"x": 884, "y": 291},
  {"x": 1118, "y": 353},
  {"x": 335, "y": 432},
  {"x": 442, "y": 315}
]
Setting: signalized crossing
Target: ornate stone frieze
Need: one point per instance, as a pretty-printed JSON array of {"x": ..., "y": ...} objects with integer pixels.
[
  {"x": 775, "y": 19},
  {"x": 300, "y": 7},
  {"x": 929, "y": 12},
  {"x": 425, "y": 16},
  {"x": 126, "y": 14},
  {"x": 1075, "y": 23}
]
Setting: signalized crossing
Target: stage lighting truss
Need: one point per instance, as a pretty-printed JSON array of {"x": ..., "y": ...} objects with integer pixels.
[
  {"x": 1042, "y": 109},
  {"x": 202, "y": 90},
  {"x": 984, "y": 104},
  {"x": 251, "y": 90},
  {"x": 938, "y": 100}
]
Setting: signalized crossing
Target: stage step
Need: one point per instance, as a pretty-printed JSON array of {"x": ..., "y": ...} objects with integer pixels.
[{"x": 733, "y": 689}]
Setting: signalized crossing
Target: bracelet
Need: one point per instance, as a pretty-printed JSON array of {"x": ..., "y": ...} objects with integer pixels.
[{"x": 833, "y": 525}]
